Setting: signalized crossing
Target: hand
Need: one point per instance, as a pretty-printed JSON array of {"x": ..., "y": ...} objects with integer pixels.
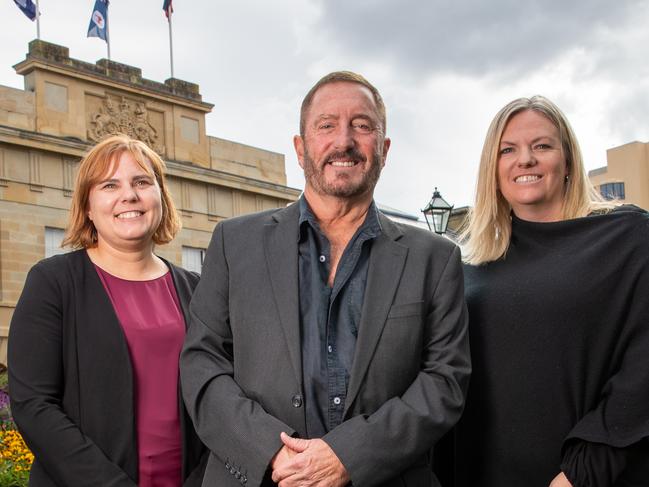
[
  {"x": 281, "y": 457},
  {"x": 560, "y": 481},
  {"x": 314, "y": 464}
]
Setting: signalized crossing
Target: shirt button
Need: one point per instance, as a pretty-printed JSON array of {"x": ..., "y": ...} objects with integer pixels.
[
  {"x": 322, "y": 258},
  {"x": 330, "y": 348},
  {"x": 336, "y": 400},
  {"x": 297, "y": 401}
]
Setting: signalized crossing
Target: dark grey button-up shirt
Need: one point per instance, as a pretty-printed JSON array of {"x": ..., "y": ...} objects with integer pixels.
[{"x": 329, "y": 316}]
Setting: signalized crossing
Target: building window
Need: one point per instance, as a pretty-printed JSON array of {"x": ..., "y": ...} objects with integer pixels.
[
  {"x": 611, "y": 191},
  {"x": 53, "y": 239},
  {"x": 193, "y": 259}
]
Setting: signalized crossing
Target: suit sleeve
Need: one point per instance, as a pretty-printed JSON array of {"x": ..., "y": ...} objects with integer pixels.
[
  {"x": 235, "y": 428},
  {"x": 36, "y": 386},
  {"x": 377, "y": 447}
]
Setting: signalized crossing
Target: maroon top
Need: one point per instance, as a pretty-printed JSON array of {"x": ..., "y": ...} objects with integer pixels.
[{"x": 153, "y": 324}]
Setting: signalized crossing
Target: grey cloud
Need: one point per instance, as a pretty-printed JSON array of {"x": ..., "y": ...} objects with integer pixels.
[
  {"x": 499, "y": 37},
  {"x": 630, "y": 119}
]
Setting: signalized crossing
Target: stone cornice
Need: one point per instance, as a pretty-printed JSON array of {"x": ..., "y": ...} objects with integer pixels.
[
  {"x": 190, "y": 171},
  {"x": 183, "y": 170},
  {"x": 46, "y": 142}
]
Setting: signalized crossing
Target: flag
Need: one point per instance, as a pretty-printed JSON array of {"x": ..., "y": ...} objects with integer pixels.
[
  {"x": 99, "y": 20},
  {"x": 28, "y": 8},
  {"x": 168, "y": 8}
]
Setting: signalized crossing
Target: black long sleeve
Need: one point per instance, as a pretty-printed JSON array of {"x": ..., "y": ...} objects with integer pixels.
[{"x": 588, "y": 464}]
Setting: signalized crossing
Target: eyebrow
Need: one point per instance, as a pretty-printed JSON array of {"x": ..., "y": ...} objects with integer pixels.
[
  {"x": 362, "y": 116},
  {"x": 135, "y": 178},
  {"x": 504, "y": 142},
  {"x": 324, "y": 116}
]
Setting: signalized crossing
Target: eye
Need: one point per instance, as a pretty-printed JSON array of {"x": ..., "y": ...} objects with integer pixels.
[
  {"x": 362, "y": 127},
  {"x": 325, "y": 126},
  {"x": 109, "y": 186},
  {"x": 505, "y": 150},
  {"x": 543, "y": 146},
  {"x": 142, "y": 182}
]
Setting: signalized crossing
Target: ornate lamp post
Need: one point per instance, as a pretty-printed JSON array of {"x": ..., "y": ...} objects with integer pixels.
[{"x": 439, "y": 212}]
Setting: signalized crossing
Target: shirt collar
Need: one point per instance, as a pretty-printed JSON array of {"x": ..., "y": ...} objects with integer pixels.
[{"x": 371, "y": 227}]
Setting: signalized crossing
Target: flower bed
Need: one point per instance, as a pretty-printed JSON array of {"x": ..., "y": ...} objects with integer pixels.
[{"x": 15, "y": 457}]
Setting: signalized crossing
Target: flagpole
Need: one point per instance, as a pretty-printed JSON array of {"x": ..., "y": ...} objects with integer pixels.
[
  {"x": 38, "y": 21},
  {"x": 171, "y": 47},
  {"x": 107, "y": 34}
]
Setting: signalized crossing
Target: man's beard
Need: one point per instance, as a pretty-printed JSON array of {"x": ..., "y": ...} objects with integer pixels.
[{"x": 342, "y": 187}]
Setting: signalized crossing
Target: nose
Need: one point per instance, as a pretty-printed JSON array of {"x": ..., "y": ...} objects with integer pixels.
[
  {"x": 526, "y": 157},
  {"x": 344, "y": 137},
  {"x": 129, "y": 193}
]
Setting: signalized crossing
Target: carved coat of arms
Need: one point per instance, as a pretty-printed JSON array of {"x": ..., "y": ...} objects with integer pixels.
[{"x": 123, "y": 117}]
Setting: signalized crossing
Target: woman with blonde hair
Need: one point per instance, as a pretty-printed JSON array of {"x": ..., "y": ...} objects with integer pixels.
[
  {"x": 96, "y": 335},
  {"x": 557, "y": 286}
]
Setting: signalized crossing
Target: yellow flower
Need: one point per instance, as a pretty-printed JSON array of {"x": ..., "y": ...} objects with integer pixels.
[{"x": 14, "y": 453}]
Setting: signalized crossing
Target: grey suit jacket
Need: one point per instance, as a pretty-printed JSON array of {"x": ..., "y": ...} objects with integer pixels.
[{"x": 241, "y": 365}]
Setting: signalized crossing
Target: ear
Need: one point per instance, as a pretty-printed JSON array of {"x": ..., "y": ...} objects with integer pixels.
[
  {"x": 298, "y": 143},
  {"x": 386, "y": 147}
]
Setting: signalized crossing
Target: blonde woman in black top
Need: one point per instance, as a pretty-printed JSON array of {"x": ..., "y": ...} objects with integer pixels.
[{"x": 557, "y": 285}]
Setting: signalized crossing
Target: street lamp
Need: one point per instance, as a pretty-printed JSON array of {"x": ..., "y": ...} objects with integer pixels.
[{"x": 439, "y": 211}]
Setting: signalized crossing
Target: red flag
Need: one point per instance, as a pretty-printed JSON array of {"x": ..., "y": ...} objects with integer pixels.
[{"x": 168, "y": 8}]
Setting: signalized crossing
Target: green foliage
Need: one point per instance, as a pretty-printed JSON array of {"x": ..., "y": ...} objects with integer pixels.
[{"x": 10, "y": 476}]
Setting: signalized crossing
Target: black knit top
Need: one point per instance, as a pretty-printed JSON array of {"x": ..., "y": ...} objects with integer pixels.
[{"x": 560, "y": 346}]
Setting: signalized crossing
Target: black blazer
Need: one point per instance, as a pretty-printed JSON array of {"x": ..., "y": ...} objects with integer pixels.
[{"x": 71, "y": 381}]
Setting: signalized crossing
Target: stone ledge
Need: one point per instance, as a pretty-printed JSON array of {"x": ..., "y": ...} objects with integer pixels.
[
  {"x": 181, "y": 169},
  {"x": 40, "y": 50}
]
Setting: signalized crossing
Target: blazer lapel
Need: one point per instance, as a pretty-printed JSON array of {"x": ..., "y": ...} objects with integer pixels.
[
  {"x": 281, "y": 247},
  {"x": 387, "y": 260}
]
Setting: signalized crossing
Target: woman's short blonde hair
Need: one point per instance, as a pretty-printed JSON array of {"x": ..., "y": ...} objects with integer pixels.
[
  {"x": 94, "y": 167},
  {"x": 488, "y": 232}
]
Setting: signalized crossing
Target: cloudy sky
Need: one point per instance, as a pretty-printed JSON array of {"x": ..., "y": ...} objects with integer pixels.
[{"x": 444, "y": 68}]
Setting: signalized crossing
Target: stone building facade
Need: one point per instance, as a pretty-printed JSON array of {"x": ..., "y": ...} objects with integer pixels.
[
  {"x": 66, "y": 106},
  {"x": 626, "y": 175}
]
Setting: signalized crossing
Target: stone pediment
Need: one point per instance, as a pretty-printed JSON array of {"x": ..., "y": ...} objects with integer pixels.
[{"x": 114, "y": 114}]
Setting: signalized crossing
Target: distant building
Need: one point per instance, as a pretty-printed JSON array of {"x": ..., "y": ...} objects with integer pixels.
[
  {"x": 626, "y": 175},
  {"x": 66, "y": 107},
  {"x": 402, "y": 217},
  {"x": 457, "y": 221}
]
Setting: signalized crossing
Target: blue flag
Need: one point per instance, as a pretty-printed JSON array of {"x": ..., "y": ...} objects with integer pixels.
[
  {"x": 99, "y": 20},
  {"x": 28, "y": 8}
]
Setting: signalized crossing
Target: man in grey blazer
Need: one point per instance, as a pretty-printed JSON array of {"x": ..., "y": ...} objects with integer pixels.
[{"x": 328, "y": 345}]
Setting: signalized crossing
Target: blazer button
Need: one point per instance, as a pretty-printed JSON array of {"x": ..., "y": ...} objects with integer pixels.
[{"x": 297, "y": 401}]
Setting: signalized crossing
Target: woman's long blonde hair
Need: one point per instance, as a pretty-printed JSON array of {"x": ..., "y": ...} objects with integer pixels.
[
  {"x": 487, "y": 235},
  {"x": 81, "y": 232}
]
